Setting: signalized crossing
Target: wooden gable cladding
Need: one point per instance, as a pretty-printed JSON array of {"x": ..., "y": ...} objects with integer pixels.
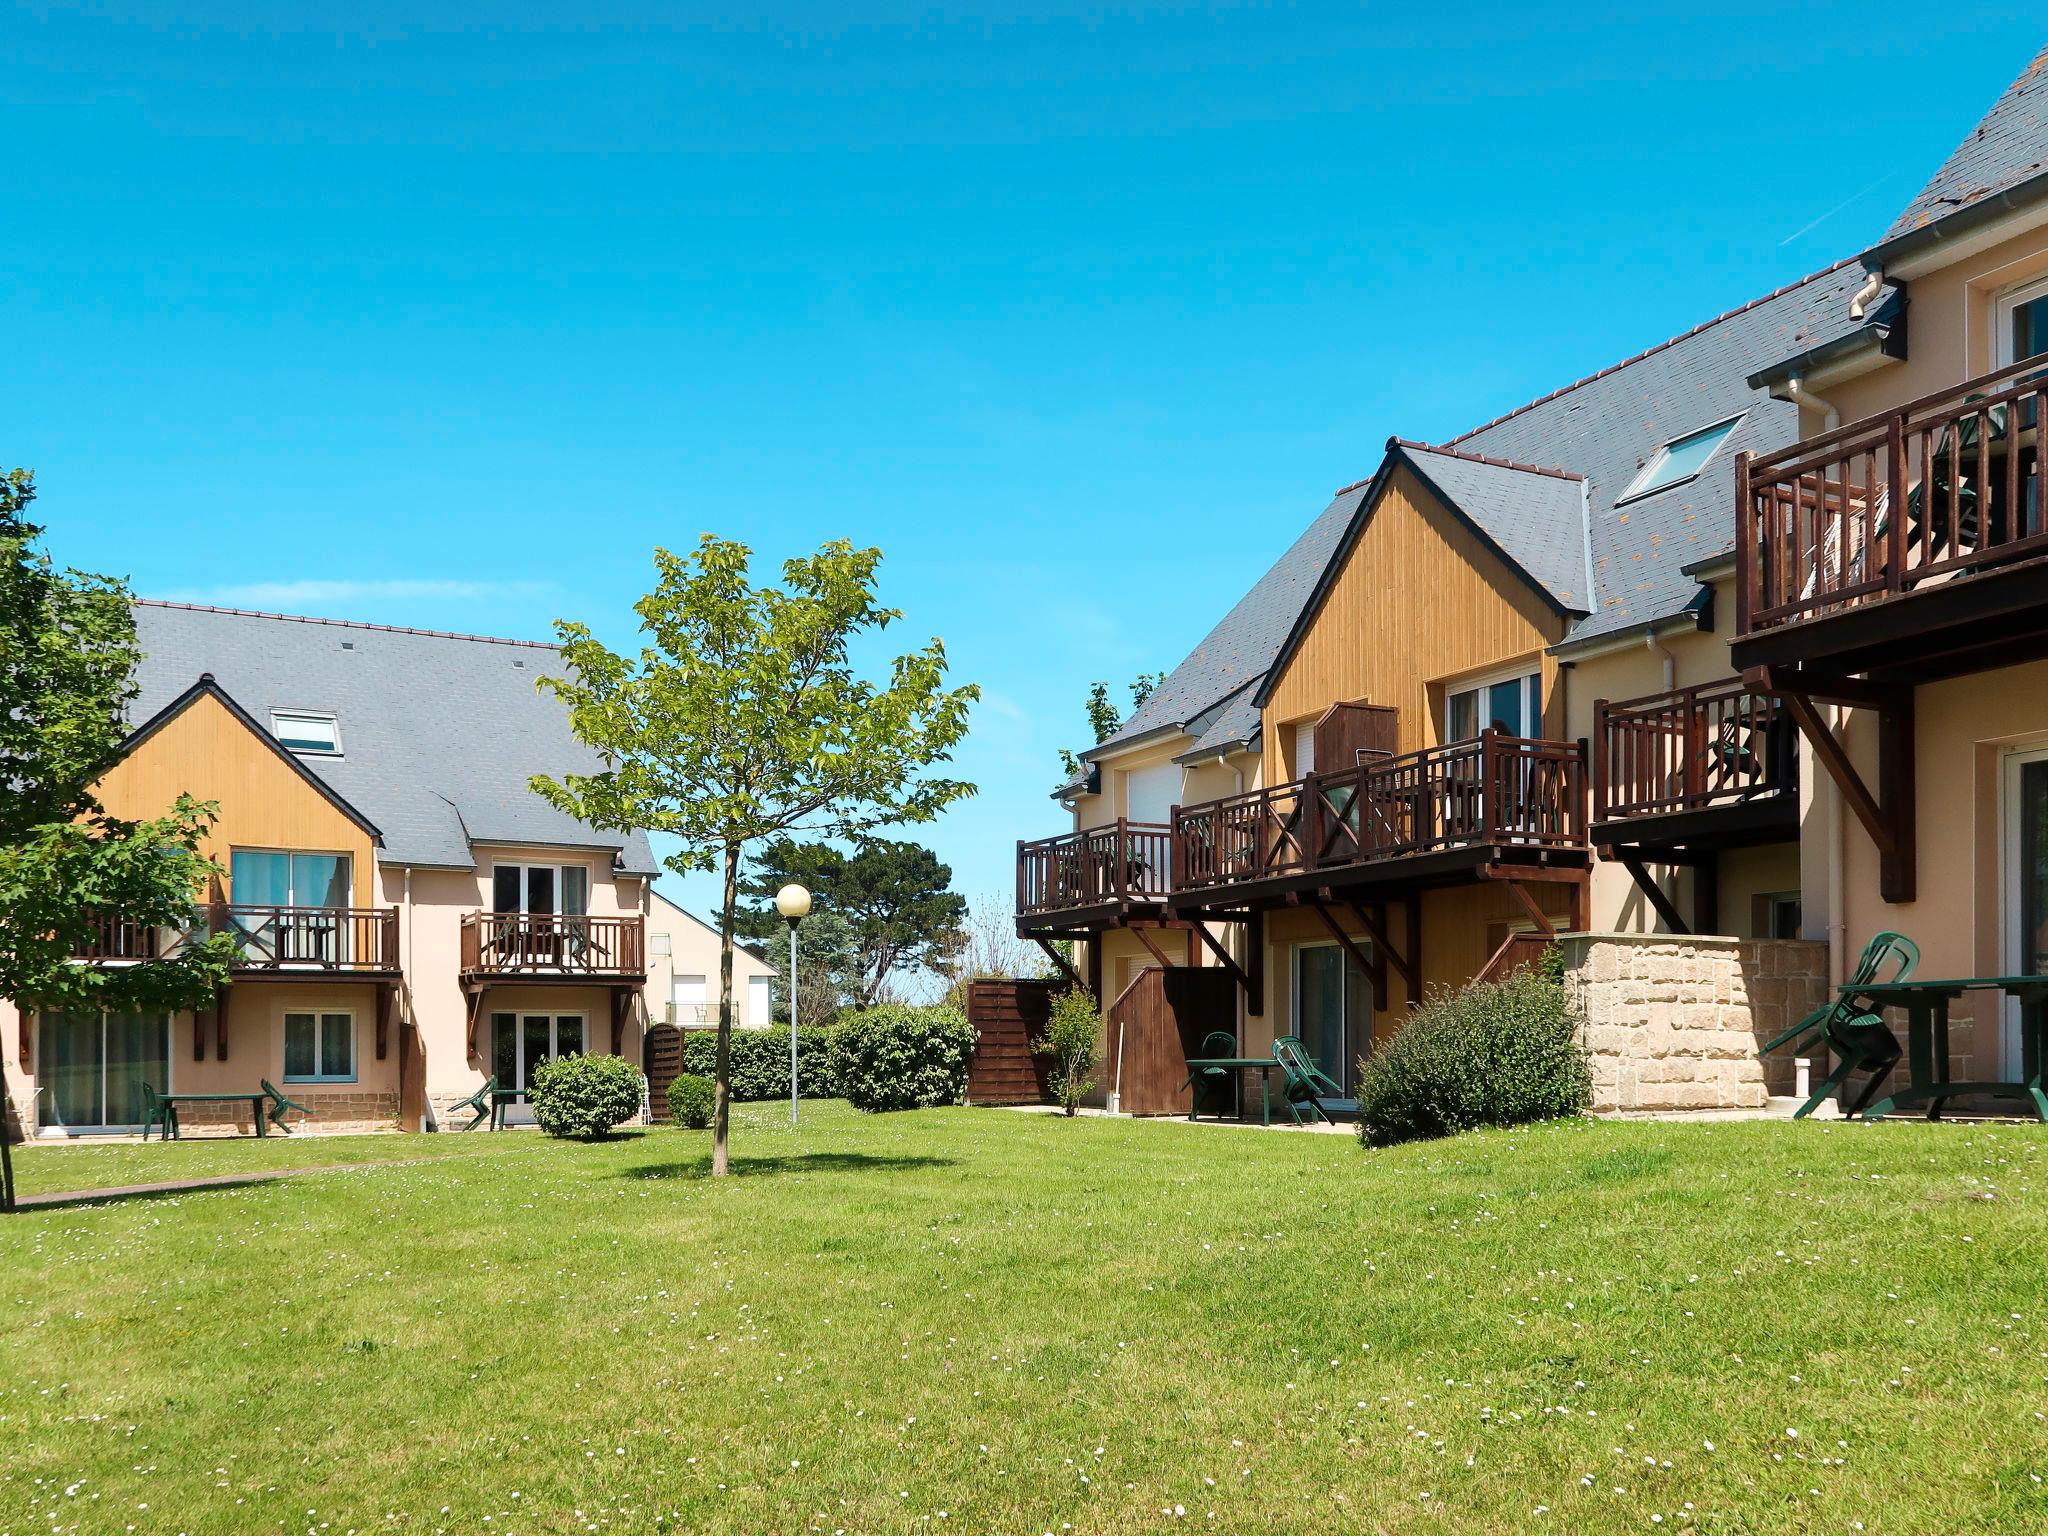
[
  {"x": 208, "y": 751},
  {"x": 1353, "y": 731},
  {"x": 1418, "y": 597}
]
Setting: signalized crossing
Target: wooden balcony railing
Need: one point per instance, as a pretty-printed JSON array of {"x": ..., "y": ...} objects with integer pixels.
[
  {"x": 1494, "y": 790},
  {"x": 1691, "y": 748},
  {"x": 1120, "y": 864},
  {"x": 268, "y": 938},
  {"x": 552, "y": 943},
  {"x": 312, "y": 938},
  {"x": 1944, "y": 486},
  {"x": 118, "y": 939}
]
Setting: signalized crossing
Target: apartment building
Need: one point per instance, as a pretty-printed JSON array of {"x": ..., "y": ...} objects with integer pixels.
[
  {"x": 411, "y": 918},
  {"x": 1650, "y": 654}
]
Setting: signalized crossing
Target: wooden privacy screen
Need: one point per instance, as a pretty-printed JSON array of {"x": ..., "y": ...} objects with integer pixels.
[
  {"x": 1007, "y": 1013},
  {"x": 664, "y": 1055},
  {"x": 1157, "y": 1024},
  {"x": 1349, "y": 729}
]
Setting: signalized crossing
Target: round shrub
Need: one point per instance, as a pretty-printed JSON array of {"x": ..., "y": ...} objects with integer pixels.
[
  {"x": 1492, "y": 1053},
  {"x": 691, "y": 1099},
  {"x": 584, "y": 1096},
  {"x": 897, "y": 1057},
  {"x": 760, "y": 1061}
]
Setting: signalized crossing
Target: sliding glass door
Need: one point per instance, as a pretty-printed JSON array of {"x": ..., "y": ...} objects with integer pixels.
[
  {"x": 2026, "y": 882},
  {"x": 1332, "y": 1009},
  {"x": 90, "y": 1063}
]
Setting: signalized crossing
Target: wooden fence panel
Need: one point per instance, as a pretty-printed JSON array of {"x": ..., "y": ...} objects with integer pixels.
[
  {"x": 664, "y": 1057},
  {"x": 1007, "y": 1013}
]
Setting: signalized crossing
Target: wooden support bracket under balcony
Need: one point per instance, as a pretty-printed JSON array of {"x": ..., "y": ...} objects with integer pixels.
[{"x": 1889, "y": 815}]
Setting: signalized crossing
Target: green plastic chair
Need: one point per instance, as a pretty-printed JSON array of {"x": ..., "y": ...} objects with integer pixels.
[
  {"x": 1854, "y": 1032},
  {"x": 279, "y": 1104},
  {"x": 1216, "y": 1082},
  {"x": 1307, "y": 1084},
  {"x": 156, "y": 1110},
  {"x": 478, "y": 1103}
]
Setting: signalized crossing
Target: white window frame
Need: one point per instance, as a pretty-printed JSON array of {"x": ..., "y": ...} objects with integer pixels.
[
  {"x": 524, "y": 866},
  {"x": 34, "y": 1019},
  {"x": 321, "y": 1018},
  {"x": 2011, "y": 941},
  {"x": 2002, "y": 307},
  {"x": 1526, "y": 672},
  {"x": 555, "y": 1018},
  {"x": 348, "y": 861},
  {"x": 1641, "y": 486},
  {"x": 310, "y": 717}
]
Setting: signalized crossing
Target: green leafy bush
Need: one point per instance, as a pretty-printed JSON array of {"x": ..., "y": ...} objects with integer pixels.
[
  {"x": 691, "y": 1099},
  {"x": 585, "y": 1096},
  {"x": 897, "y": 1057},
  {"x": 760, "y": 1061},
  {"x": 1492, "y": 1053},
  {"x": 1071, "y": 1031}
]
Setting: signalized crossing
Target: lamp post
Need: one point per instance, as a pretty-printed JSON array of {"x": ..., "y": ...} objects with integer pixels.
[{"x": 794, "y": 903}]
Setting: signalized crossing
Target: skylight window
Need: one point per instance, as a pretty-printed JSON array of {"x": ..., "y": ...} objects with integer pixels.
[
  {"x": 1680, "y": 459},
  {"x": 302, "y": 732}
]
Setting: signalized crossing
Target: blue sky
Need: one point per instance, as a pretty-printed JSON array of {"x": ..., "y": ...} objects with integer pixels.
[{"x": 447, "y": 318}]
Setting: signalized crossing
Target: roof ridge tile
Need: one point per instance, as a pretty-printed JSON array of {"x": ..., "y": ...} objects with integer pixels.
[{"x": 301, "y": 618}]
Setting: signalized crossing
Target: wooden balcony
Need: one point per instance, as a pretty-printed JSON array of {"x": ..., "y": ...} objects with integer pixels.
[
  {"x": 544, "y": 946},
  {"x": 1429, "y": 816},
  {"x": 1912, "y": 543},
  {"x": 1087, "y": 879},
  {"x": 1717, "y": 760},
  {"x": 269, "y": 939}
]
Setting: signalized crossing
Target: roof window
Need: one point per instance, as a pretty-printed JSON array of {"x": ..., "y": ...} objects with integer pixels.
[
  {"x": 300, "y": 731},
  {"x": 1679, "y": 460}
]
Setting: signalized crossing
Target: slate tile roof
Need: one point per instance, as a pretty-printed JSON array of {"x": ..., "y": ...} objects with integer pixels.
[
  {"x": 1236, "y": 653},
  {"x": 2009, "y": 146},
  {"x": 1607, "y": 427},
  {"x": 439, "y": 732},
  {"x": 1534, "y": 516}
]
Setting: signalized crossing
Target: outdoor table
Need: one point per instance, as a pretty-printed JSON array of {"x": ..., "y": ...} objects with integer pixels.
[
  {"x": 169, "y": 1130},
  {"x": 1926, "y": 1003},
  {"x": 1263, "y": 1065}
]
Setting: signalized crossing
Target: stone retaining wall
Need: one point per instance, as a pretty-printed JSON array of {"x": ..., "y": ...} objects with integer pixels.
[
  {"x": 333, "y": 1113},
  {"x": 1674, "y": 1023}
]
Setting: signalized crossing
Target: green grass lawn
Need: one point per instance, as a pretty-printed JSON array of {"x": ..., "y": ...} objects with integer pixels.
[{"x": 969, "y": 1320}]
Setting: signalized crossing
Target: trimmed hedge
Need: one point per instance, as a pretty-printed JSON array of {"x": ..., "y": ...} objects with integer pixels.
[
  {"x": 897, "y": 1057},
  {"x": 1492, "y": 1053},
  {"x": 760, "y": 1062},
  {"x": 691, "y": 1099},
  {"x": 585, "y": 1096}
]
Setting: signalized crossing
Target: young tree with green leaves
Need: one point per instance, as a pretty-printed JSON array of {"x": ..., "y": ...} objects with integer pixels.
[
  {"x": 896, "y": 898},
  {"x": 1103, "y": 718},
  {"x": 67, "y": 658},
  {"x": 742, "y": 718}
]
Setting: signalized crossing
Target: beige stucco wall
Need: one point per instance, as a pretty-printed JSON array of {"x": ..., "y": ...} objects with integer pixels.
[
  {"x": 1952, "y": 337},
  {"x": 1965, "y": 729},
  {"x": 693, "y": 951},
  {"x": 1674, "y": 1023}
]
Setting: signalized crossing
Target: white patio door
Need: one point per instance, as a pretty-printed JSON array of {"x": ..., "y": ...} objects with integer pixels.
[
  {"x": 2026, "y": 881},
  {"x": 520, "y": 1042}
]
